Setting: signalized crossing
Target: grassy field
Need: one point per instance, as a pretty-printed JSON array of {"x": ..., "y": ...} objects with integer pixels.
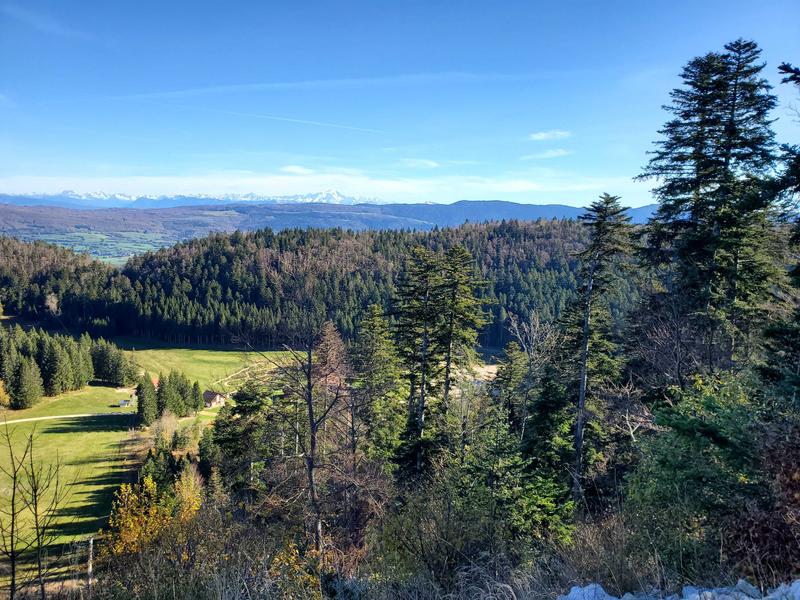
[
  {"x": 214, "y": 368},
  {"x": 97, "y": 451},
  {"x": 91, "y": 399}
]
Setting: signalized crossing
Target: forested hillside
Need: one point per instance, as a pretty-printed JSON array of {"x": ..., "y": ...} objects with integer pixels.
[
  {"x": 36, "y": 363},
  {"x": 234, "y": 288},
  {"x": 149, "y": 224}
]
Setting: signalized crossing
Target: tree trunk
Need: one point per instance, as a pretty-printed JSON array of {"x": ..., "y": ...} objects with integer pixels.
[
  {"x": 580, "y": 417},
  {"x": 449, "y": 356},
  {"x": 421, "y": 405},
  {"x": 311, "y": 457}
]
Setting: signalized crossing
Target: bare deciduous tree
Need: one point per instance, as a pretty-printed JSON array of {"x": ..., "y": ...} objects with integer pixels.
[
  {"x": 12, "y": 542},
  {"x": 43, "y": 493},
  {"x": 538, "y": 340},
  {"x": 667, "y": 344}
]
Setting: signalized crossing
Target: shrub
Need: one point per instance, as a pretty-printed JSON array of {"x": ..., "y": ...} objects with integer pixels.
[{"x": 695, "y": 476}]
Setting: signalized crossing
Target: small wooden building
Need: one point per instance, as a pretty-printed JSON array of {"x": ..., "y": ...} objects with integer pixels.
[{"x": 213, "y": 399}]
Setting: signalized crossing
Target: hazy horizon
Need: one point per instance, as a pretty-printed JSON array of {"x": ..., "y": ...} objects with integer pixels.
[{"x": 416, "y": 102}]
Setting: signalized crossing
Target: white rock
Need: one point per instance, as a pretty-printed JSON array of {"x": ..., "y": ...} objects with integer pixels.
[
  {"x": 690, "y": 592},
  {"x": 747, "y": 588},
  {"x": 593, "y": 591},
  {"x": 741, "y": 591}
]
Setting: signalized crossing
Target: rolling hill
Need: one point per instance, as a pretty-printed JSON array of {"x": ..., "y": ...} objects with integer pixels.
[{"x": 117, "y": 233}]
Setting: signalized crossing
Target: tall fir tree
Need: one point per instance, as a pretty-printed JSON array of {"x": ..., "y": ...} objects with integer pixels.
[
  {"x": 146, "y": 402},
  {"x": 715, "y": 165},
  {"x": 461, "y": 313},
  {"x": 418, "y": 315},
  {"x": 163, "y": 393},
  {"x": 609, "y": 241},
  {"x": 196, "y": 402},
  {"x": 27, "y": 387},
  {"x": 377, "y": 385}
]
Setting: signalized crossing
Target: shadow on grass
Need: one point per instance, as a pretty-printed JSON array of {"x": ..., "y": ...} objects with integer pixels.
[
  {"x": 133, "y": 343},
  {"x": 91, "y": 424},
  {"x": 93, "y": 492},
  {"x": 90, "y": 505}
]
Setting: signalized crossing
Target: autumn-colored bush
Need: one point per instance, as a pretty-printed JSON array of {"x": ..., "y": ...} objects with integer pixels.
[{"x": 137, "y": 517}]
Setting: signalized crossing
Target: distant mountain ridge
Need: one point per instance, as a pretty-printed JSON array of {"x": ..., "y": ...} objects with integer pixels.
[
  {"x": 116, "y": 233},
  {"x": 100, "y": 200},
  {"x": 70, "y": 199}
]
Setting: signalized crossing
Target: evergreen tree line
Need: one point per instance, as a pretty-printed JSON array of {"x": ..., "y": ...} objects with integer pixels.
[
  {"x": 173, "y": 393},
  {"x": 36, "y": 363},
  {"x": 233, "y": 288}
]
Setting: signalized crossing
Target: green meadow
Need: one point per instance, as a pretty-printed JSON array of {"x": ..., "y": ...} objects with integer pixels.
[{"x": 214, "y": 368}]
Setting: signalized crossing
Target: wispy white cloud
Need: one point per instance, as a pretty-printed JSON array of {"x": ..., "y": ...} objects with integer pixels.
[
  {"x": 552, "y": 134},
  {"x": 419, "y": 163},
  {"x": 41, "y": 22},
  {"x": 296, "y": 170},
  {"x": 554, "y": 153},
  {"x": 236, "y": 113},
  {"x": 399, "y": 80}
]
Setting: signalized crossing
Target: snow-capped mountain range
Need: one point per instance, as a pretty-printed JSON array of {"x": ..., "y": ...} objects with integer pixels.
[{"x": 70, "y": 199}]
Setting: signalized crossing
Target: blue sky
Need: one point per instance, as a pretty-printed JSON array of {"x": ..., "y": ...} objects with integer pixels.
[{"x": 403, "y": 101}]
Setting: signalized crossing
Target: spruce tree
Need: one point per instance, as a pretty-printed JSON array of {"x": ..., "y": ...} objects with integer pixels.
[
  {"x": 517, "y": 502},
  {"x": 714, "y": 165},
  {"x": 85, "y": 346},
  {"x": 146, "y": 402},
  {"x": 789, "y": 183},
  {"x": 609, "y": 241},
  {"x": 5, "y": 398},
  {"x": 512, "y": 370},
  {"x": 162, "y": 395},
  {"x": 460, "y": 312},
  {"x": 28, "y": 387},
  {"x": 55, "y": 367},
  {"x": 377, "y": 384},
  {"x": 197, "y": 402},
  {"x": 77, "y": 379},
  {"x": 418, "y": 311}
]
